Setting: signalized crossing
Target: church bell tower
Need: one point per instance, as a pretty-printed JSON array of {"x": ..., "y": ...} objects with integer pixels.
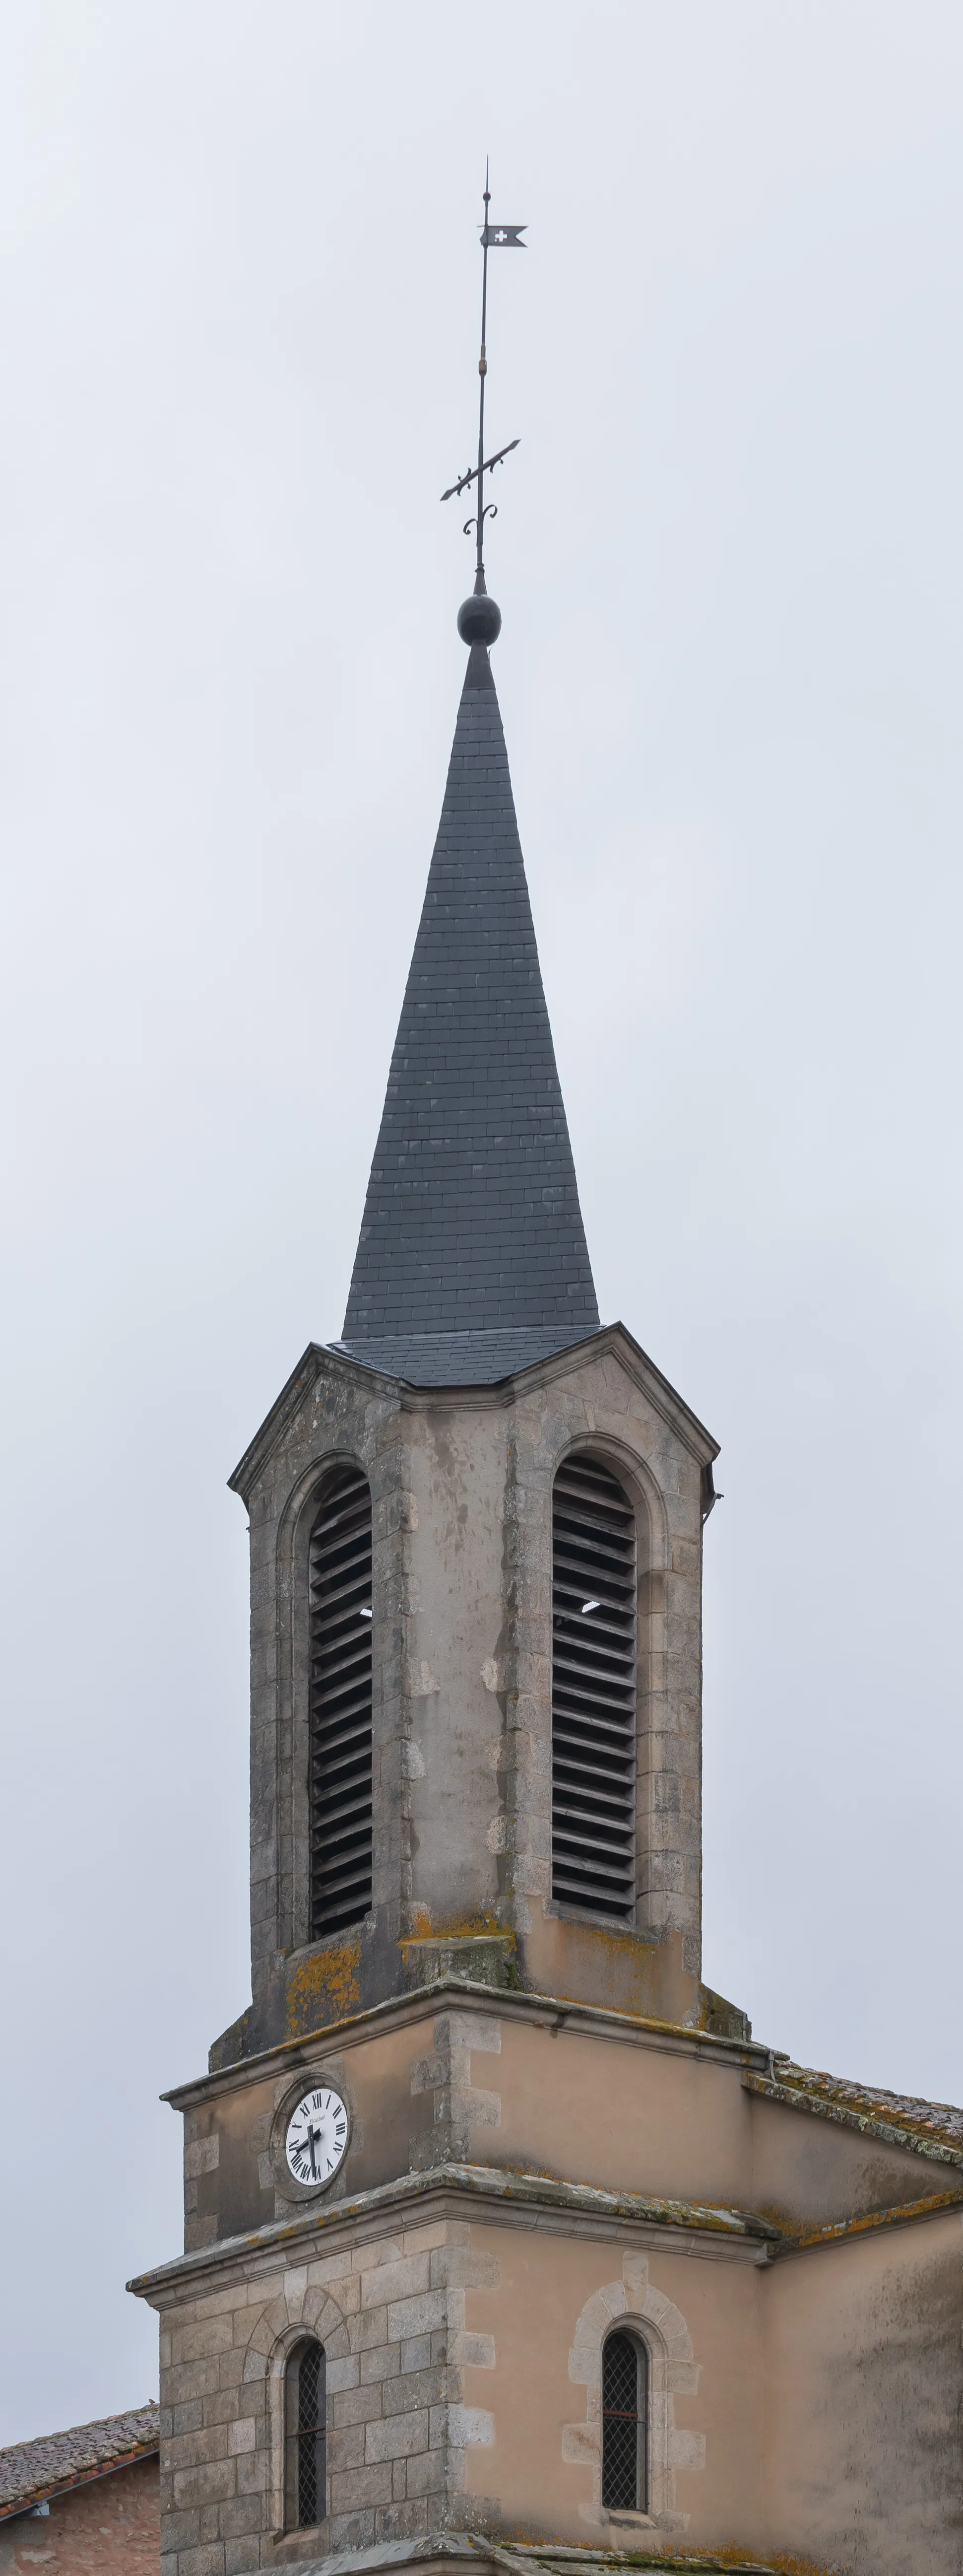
[
  {"x": 445, "y": 2175},
  {"x": 503, "y": 2239},
  {"x": 476, "y": 1549},
  {"x": 475, "y": 1533}
]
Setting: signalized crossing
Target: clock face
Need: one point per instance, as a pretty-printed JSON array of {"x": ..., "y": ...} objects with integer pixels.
[{"x": 317, "y": 2135}]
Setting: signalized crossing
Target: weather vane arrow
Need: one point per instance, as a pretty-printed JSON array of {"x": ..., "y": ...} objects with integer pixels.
[{"x": 493, "y": 237}]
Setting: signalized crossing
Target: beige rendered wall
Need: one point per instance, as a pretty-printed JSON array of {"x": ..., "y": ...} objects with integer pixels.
[
  {"x": 805, "y": 2171},
  {"x": 863, "y": 2378},
  {"x": 547, "y": 2310},
  {"x": 628, "y": 2115},
  {"x": 500, "y": 2082},
  {"x": 627, "y": 2111},
  {"x": 806, "y": 2410}
]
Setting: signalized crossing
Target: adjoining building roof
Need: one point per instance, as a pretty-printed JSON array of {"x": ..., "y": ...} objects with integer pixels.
[
  {"x": 925, "y": 2124},
  {"x": 472, "y": 1225},
  {"x": 528, "y": 2558},
  {"x": 32, "y": 2472}
]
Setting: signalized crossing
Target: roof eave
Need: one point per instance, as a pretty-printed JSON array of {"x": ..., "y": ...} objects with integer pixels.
[
  {"x": 26, "y": 2505},
  {"x": 320, "y": 1358}
]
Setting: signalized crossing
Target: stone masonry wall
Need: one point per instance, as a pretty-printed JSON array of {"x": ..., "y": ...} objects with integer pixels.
[
  {"x": 391, "y": 2317},
  {"x": 461, "y": 1486}
]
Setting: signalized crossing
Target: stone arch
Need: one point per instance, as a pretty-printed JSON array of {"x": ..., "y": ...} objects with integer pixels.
[
  {"x": 641, "y": 1483},
  {"x": 634, "y": 2303},
  {"x": 299, "y": 2310}
]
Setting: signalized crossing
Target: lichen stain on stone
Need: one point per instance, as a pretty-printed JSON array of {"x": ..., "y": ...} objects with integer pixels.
[
  {"x": 870, "y": 2220},
  {"x": 801, "y": 2567},
  {"x": 467, "y": 1927},
  {"x": 612, "y": 1954},
  {"x": 326, "y": 1986}
]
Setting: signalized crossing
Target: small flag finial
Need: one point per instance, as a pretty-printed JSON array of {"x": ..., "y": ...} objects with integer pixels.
[{"x": 471, "y": 616}]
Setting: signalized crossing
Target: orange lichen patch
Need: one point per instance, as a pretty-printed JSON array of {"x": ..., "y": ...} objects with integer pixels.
[
  {"x": 618, "y": 1967},
  {"x": 801, "y": 2566},
  {"x": 466, "y": 1927},
  {"x": 876, "y": 2218},
  {"x": 421, "y": 1924},
  {"x": 328, "y": 1983}
]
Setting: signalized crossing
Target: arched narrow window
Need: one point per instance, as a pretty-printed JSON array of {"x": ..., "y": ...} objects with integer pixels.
[
  {"x": 340, "y": 1787},
  {"x": 625, "y": 2418},
  {"x": 305, "y": 2499},
  {"x": 594, "y": 1609}
]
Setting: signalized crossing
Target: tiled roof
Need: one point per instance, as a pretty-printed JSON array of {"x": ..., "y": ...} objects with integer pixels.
[
  {"x": 937, "y": 2124},
  {"x": 527, "y": 2559},
  {"x": 472, "y": 1222},
  {"x": 32, "y": 2471}
]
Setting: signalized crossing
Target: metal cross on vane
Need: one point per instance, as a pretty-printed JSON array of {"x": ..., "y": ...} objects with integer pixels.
[{"x": 493, "y": 237}]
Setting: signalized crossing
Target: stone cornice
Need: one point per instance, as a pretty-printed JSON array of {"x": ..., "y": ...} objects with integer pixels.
[
  {"x": 555, "y": 2012},
  {"x": 519, "y": 2557},
  {"x": 663, "y": 1397},
  {"x": 661, "y": 1394},
  {"x": 487, "y": 2191}
]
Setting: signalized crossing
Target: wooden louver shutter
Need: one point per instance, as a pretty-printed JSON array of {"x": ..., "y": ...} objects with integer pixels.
[
  {"x": 593, "y": 1690},
  {"x": 340, "y": 1785}
]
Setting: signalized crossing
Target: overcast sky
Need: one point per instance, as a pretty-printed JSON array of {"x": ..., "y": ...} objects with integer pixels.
[{"x": 239, "y": 328}]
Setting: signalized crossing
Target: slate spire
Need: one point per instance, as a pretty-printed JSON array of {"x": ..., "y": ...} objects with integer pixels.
[{"x": 472, "y": 1259}]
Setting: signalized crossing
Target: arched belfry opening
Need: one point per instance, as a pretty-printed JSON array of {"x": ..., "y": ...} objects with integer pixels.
[
  {"x": 594, "y": 1689},
  {"x": 340, "y": 1761}
]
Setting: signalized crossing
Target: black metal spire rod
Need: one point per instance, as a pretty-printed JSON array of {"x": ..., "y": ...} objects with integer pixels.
[
  {"x": 493, "y": 237},
  {"x": 482, "y": 373}
]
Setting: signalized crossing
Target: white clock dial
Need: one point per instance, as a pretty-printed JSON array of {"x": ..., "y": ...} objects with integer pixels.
[{"x": 317, "y": 2135}]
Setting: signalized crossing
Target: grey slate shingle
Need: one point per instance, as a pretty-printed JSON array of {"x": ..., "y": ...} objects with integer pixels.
[
  {"x": 472, "y": 1224},
  {"x": 459, "y": 1359}
]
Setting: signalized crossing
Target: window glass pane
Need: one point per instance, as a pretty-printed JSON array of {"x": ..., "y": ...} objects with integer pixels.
[
  {"x": 305, "y": 2444},
  {"x": 623, "y": 2426}
]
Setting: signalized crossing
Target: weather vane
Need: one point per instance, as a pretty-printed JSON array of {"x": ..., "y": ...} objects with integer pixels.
[{"x": 493, "y": 237}]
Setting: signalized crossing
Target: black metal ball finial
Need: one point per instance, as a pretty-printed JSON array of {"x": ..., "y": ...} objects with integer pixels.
[{"x": 479, "y": 619}]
